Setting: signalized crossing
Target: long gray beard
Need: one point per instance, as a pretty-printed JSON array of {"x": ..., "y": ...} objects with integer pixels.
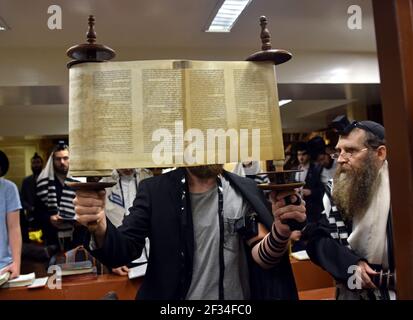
[{"x": 353, "y": 190}]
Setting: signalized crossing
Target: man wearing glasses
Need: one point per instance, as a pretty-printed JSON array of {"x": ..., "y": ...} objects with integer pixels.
[{"x": 353, "y": 239}]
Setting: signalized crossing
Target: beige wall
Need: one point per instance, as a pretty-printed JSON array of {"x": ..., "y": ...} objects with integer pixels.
[{"x": 20, "y": 151}]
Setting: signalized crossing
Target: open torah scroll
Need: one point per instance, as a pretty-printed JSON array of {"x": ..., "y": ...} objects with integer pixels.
[{"x": 169, "y": 113}]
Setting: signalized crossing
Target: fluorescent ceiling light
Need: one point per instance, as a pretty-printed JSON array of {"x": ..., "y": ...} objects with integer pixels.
[
  {"x": 283, "y": 102},
  {"x": 3, "y": 25},
  {"x": 227, "y": 15}
]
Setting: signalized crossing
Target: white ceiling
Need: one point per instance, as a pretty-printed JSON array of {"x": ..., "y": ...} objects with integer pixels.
[
  {"x": 294, "y": 24},
  {"x": 308, "y": 26}
]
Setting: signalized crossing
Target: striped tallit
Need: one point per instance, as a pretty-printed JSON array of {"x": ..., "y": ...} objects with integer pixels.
[{"x": 46, "y": 191}]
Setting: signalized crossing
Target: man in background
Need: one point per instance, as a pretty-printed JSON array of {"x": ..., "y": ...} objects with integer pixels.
[
  {"x": 322, "y": 156},
  {"x": 55, "y": 201},
  {"x": 313, "y": 189},
  {"x": 119, "y": 199},
  {"x": 28, "y": 195},
  {"x": 251, "y": 170}
]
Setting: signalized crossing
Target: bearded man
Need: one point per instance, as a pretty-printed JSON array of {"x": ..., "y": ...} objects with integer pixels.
[
  {"x": 213, "y": 236},
  {"x": 54, "y": 201},
  {"x": 353, "y": 241}
]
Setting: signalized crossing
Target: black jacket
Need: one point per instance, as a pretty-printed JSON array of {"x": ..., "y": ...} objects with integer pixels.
[
  {"x": 314, "y": 202},
  {"x": 327, "y": 252},
  {"x": 157, "y": 214}
]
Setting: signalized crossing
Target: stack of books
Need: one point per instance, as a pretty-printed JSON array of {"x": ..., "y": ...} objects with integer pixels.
[{"x": 23, "y": 280}]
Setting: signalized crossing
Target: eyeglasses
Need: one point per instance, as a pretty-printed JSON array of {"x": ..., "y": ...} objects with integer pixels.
[{"x": 346, "y": 155}]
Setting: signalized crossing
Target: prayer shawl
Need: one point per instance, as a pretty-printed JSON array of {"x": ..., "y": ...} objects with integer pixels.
[
  {"x": 251, "y": 172},
  {"x": 46, "y": 191}
]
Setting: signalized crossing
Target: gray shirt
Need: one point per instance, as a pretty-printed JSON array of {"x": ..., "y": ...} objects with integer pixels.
[{"x": 205, "y": 278}]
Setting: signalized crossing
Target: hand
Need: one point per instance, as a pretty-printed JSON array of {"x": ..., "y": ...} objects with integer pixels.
[
  {"x": 89, "y": 209},
  {"x": 363, "y": 273},
  {"x": 121, "y": 271},
  {"x": 295, "y": 235},
  {"x": 55, "y": 220},
  {"x": 306, "y": 192},
  {"x": 283, "y": 212},
  {"x": 14, "y": 270}
]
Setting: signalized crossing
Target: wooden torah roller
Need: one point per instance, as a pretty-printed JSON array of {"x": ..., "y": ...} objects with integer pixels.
[
  {"x": 285, "y": 181},
  {"x": 91, "y": 186},
  {"x": 281, "y": 180}
]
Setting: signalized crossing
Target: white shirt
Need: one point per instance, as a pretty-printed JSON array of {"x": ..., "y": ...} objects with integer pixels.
[
  {"x": 301, "y": 176},
  {"x": 129, "y": 191},
  {"x": 328, "y": 174}
]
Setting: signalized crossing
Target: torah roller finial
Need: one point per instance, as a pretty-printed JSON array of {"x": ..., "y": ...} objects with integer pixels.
[
  {"x": 277, "y": 56},
  {"x": 90, "y": 51}
]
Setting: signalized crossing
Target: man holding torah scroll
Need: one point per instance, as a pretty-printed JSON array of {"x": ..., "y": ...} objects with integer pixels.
[{"x": 212, "y": 236}]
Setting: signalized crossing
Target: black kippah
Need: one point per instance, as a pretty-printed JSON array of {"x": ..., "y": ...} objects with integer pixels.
[
  {"x": 374, "y": 127},
  {"x": 367, "y": 125}
]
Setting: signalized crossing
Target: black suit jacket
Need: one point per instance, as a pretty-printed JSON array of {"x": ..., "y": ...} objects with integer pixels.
[
  {"x": 314, "y": 202},
  {"x": 158, "y": 215}
]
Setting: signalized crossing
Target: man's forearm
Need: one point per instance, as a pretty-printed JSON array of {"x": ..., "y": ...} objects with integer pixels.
[
  {"x": 332, "y": 256},
  {"x": 118, "y": 247},
  {"x": 98, "y": 237},
  {"x": 268, "y": 251}
]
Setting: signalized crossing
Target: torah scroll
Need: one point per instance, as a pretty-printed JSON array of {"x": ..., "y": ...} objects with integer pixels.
[{"x": 171, "y": 113}]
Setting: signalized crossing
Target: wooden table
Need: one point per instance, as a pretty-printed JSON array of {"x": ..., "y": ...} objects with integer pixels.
[
  {"x": 313, "y": 283},
  {"x": 318, "y": 294},
  {"x": 78, "y": 290}
]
